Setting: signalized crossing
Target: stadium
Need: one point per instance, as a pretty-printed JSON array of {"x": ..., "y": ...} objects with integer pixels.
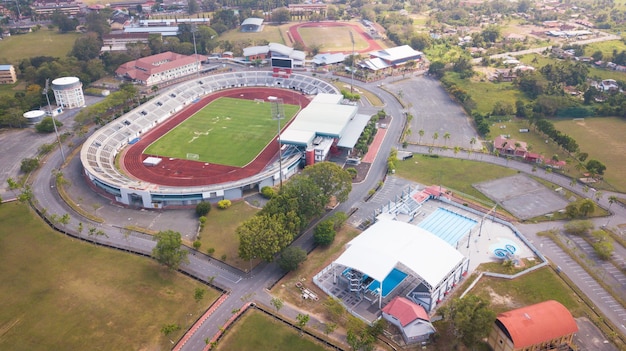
[{"x": 116, "y": 164}]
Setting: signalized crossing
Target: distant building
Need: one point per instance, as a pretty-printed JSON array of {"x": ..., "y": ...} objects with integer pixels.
[
  {"x": 391, "y": 58},
  {"x": 160, "y": 68},
  {"x": 117, "y": 42},
  {"x": 48, "y": 7},
  {"x": 512, "y": 147},
  {"x": 263, "y": 52},
  {"x": 7, "y": 74},
  {"x": 252, "y": 25},
  {"x": 411, "y": 318},
  {"x": 544, "y": 326}
]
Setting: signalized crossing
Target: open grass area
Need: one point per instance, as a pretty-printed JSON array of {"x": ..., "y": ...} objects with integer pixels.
[
  {"x": 219, "y": 233},
  {"x": 227, "y": 131},
  {"x": 11, "y": 89},
  {"x": 486, "y": 93},
  {"x": 271, "y": 33},
  {"x": 40, "y": 43},
  {"x": 536, "y": 142},
  {"x": 606, "y": 47},
  {"x": 540, "y": 285},
  {"x": 332, "y": 38},
  {"x": 603, "y": 139},
  {"x": 63, "y": 294},
  {"x": 539, "y": 61},
  {"x": 257, "y": 331},
  {"x": 456, "y": 174}
]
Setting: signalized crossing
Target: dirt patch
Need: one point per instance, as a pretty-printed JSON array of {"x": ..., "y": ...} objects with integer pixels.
[{"x": 499, "y": 299}]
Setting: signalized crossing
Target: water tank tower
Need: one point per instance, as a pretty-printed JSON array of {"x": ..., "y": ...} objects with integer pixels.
[
  {"x": 35, "y": 116},
  {"x": 68, "y": 92}
]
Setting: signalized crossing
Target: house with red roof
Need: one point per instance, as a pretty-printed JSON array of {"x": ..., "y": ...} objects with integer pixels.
[
  {"x": 411, "y": 318},
  {"x": 508, "y": 146},
  {"x": 547, "y": 325},
  {"x": 160, "y": 68}
]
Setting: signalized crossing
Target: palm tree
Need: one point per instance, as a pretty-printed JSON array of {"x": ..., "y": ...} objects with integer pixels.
[
  {"x": 472, "y": 142},
  {"x": 612, "y": 199},
  {"x": 421, "y": 133},
  {"x": 456, "y": 150},
  {"x": 435, "y": 137},
  {"x": 446, "y": 137}
]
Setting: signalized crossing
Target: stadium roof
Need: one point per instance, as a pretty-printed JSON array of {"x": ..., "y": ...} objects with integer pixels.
[
  {"x": 255, "y": 50},
  {"x": 537, "y": 323},
  {"x": 165, "y": 31},
  {"x": 252, "y": 21},
  {"x": 387, "y": 243},
  {"x": 324, "y": 116},
  {"x": 328, "y": 59},
  {"x": 353, "y": 131},
  {"x": 396, "y": 54}
]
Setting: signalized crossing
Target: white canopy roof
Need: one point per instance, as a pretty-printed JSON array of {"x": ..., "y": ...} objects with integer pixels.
[{"x": 385, "y": 244}]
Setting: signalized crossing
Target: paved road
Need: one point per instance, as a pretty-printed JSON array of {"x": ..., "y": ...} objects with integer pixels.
[{"x": 253, "y": 286}]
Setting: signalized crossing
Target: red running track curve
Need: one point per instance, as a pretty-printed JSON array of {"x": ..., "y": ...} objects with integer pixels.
[
  {"x": 178, "y": 172},
  {"x": 373, "y": 45}
]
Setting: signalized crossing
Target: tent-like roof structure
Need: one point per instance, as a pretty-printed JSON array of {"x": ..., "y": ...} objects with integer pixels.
[
  {"x": 252, "y": 21},
  {"x": 387, "y": 243},
  {"x": 397, "y": 54},
  {"x": 537, "y": 323}
]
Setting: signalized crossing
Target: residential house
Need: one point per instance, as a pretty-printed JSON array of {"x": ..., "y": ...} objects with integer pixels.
[
  {"x": 512, "y": 147},
  {"x": 411, "y": 318}
]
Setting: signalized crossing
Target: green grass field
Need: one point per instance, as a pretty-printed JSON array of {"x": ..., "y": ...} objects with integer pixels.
[
  {"x": 219, "y": 232},
  {"x": 332, "y": 38},
  {"x": 457, "y": 174},
  {"x": 257, "y": 331},
  {"x": 41, "y": 43},
  {"x": 486, "y": 93},
  {"x": 227, "y": 131},
  {"x": 606, "y": 47},
  {"x": 603, "y": 139},
  {"x": 271, "y": 33},
  {"x": 63, "y": 294},
  {"x": 594, "y": 72}
]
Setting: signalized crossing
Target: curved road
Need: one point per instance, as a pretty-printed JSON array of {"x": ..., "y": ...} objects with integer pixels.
[{"x": 254, "y": 286}]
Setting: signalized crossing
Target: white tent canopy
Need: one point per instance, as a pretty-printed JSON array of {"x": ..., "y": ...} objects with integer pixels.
[{"x": 379, "y": 249}]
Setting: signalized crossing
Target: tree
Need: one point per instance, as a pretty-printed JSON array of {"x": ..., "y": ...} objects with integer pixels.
[
  {"x": 281, "y": 15},
  {"x": 262, "y": 236},
  {"x": 197, "y": 244},
  {"x": 87, "y": 47},
  {"x": 203, "y": 208},
  {"x": 324, "y": 233},
  {"x": 29, "y": 164},
  {"x": 302, "y": 320},
  {"x": 586, "y": 207},
  {"x": 595, "y": 167},
  {"x": 168, "y": 250},
  {"x": 47, "y": 125},
  {"x": 192, "y": 7},
  {"x": 446, "y": 137},
  {"x": 612, "y": 200},
  {"x": 435, "y": 137},
  {"x": 470, "y": 318},
  {"x": 421, "y": 134},
  {"x": 291, "y": 257},
  {"x": 436, "y": 69},
  {"x": 277, "y": 303},
  {"x": 198, "y": 294},
  {"x": 580, "y": 227},
  {"x": 603, "y": 245}
]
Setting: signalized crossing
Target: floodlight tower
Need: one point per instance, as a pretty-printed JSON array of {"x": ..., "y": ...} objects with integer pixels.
[
  {"x": 278, "y": 112},
  {"x": 352, "y": 69},
  {"x": 56, "y": 131}
]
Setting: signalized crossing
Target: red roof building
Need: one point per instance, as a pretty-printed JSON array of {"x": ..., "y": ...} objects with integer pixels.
[
  {"x": 507, "y": 146},
  {"x": 160, "y": 68},
  {"x": 411, "y": 318},
  {"x": 544, "y": 326}
]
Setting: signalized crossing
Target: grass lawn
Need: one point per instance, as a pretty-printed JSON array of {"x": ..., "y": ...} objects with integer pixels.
[
  {"x": 257, "y": 331},
  {"x": 40, "y": 43},
  {"x": 606, "y": 47},
  {"x": 219, "y": 232},
  {"x": 540, "y": 285},
  {"x": 603, "y": 139},
  {"x": 271, "y": 33},
  {"x": 227, "y": 131},
  {"x": 63, "y": 294},
  {"x": 486, "y": 93},
  {"x": 536, "y": 142},
  {"x": 332, "y": 38},
  {"x": 371, "y": 97},
  {"x": 594, "y": 72},
  {"x": 456, "y": 174}
]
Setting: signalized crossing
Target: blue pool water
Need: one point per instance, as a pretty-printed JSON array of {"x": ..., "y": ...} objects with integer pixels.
[
  {"x": 448, "y": 225},
  {"x": 391, "y": 281}
]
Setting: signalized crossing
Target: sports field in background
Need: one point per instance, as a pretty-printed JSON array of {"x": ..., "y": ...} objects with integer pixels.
[
  {"x": 332, "y": 38},
  {"x": 40, "y": 43},
  {"x": 227, "y": 131}
]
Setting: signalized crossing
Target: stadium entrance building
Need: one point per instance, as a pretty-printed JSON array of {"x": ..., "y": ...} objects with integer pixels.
[{"x": 327, "y": 123}]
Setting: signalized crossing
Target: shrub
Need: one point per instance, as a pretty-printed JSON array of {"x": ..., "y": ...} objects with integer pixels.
[
  {"x": 203, "y": 208},
  {"x": 47, "y": 126},
  {"x": 197, "y": 244},
  {"x": 210, "y": 251},
  {"x": 324, "y": 233},
  {"x": 224, "y": 204},
  {"x": 578, "y": 227},
  {"x": 268, "y": 192},
  {"x": 29, "y": 164},
  {"x": 291, "y": 257},
  {"x": 352, "y": 171}
]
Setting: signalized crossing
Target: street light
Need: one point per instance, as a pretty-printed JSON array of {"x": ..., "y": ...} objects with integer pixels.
[
  {"x": 56, "y": 131},
  {"x": 352, "y": 69}
]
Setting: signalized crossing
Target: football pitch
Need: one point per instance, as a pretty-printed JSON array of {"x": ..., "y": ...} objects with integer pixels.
[{"x": 227, "y": 131}]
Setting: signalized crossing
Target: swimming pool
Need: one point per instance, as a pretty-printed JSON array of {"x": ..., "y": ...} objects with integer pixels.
[
  {"x": 390, "y": 282},
  {"x": 447, "y": 225}
]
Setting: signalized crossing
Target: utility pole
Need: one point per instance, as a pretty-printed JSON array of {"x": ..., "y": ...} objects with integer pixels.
[
  {"x": 278, "y": 112},
  {"x": 54, "y": 123},
  {"x": 195, "y": 50},
  {"x": 352, "y": 68}
]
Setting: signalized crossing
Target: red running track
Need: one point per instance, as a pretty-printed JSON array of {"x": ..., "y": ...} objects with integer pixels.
[
  {"x": 177, "y": 172},
  {"x": 373, "y": 45}
]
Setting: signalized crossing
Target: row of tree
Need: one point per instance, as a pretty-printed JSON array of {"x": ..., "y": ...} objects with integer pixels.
[{"x": 287, "y": 213}]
